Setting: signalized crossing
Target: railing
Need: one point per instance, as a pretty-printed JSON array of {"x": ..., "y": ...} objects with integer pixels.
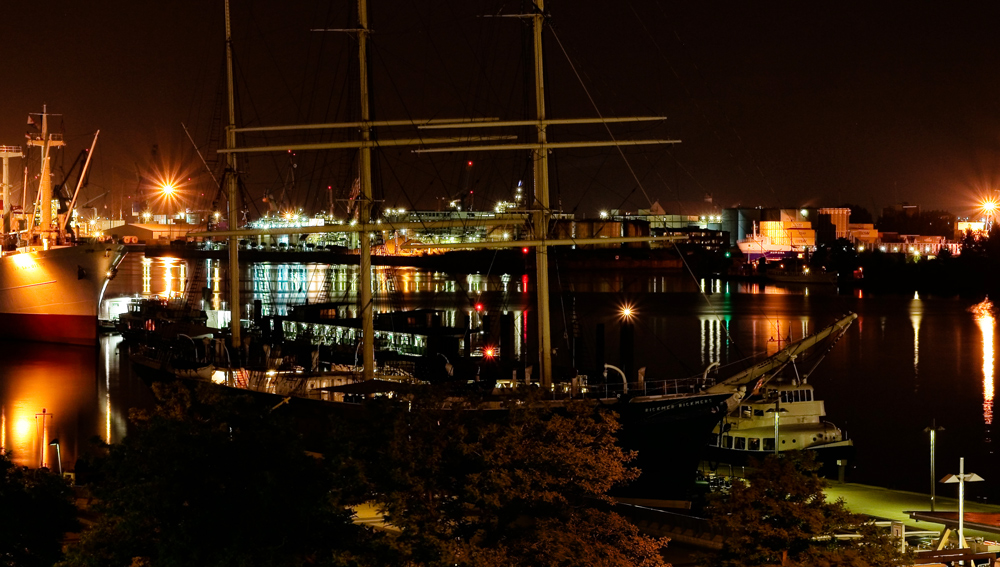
[{"x": 582, "y": 389}]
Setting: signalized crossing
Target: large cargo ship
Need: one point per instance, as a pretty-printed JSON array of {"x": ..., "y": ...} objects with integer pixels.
[
  {"x": 777, "y": 240},
  {"x": 50, "y": 283},
  {"x": 53, "y": 295}
]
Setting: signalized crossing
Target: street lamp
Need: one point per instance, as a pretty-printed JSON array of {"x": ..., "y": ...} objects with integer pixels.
[
  {"x": 777, "y": 410},
  {"x": 989, "y": 207},
  {"x": 58, "y": 453},
  {"x": 961, "y": 478},
  {"x": 44, "y": 432},
  {"x": 933, "y": 429},
  {"x": 626, "y": 312}
]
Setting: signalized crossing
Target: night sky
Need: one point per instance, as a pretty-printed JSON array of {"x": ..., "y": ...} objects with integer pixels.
[{"x": 777, "y": 104}]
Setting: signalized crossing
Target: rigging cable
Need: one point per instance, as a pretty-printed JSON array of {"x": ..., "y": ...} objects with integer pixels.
[{"x": 599, "y": 115}]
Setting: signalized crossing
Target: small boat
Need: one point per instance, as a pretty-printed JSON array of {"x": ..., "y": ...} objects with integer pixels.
[
  {"x": 749, "y": 429},
  {"x": 802, "y": 274},
  {"x": 145, "y": 315},
  {"x": 155, "y": 366}
]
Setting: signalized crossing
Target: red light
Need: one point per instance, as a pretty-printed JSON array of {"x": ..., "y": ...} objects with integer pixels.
[
  {"x": 479, "y": 307},
  {"x": 488, "y": 353},
  {"x": 524, "y": 250},
  {"x": 470, "y": 163}
]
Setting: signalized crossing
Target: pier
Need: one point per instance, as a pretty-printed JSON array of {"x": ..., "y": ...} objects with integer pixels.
[{"x": 692, "y": 537}]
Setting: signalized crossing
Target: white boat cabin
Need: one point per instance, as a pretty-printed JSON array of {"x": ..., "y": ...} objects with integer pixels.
[{"x": 751, "y": 425}]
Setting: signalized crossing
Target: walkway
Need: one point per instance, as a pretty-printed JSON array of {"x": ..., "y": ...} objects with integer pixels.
[{"x": 886, "y": 504}]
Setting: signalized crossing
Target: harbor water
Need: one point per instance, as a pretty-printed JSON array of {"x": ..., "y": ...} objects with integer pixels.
[{"x": 906, "y": 361}]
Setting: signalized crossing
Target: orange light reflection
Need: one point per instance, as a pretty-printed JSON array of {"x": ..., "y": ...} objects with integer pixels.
[{"x": 987, "y": 325}]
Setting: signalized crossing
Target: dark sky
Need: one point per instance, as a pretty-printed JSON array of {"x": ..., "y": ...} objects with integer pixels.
[{"x": 777, "y": 103}]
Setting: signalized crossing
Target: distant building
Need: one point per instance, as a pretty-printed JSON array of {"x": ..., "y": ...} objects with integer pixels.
[
  {"x": 603, "y": 228},
  {"x": 863, "y": 234},
  {"x": 153, "y": 232},
  {"x": 961, "y": 227}
]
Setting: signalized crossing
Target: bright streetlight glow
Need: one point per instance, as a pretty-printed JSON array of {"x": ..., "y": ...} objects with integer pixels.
[{"x": 627, "y": 312}]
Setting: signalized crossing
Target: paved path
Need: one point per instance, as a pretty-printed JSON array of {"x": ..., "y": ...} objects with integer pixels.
[{"x": 888, "y": 504}]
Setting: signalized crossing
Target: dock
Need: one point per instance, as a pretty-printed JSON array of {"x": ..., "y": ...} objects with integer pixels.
[
  {"x": 896, "y": 505},
  {"x": 692, "y": 537}
]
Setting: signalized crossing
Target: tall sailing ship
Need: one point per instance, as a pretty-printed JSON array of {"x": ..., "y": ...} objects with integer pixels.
[
  {"x": 50, "y": 283},
  {"x": 668, "y": 422}
]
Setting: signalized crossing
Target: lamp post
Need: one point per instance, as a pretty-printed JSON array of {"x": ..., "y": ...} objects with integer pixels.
[
  {"x": 961, "y": 478},
  {"x": 777, "y": 411},
  {"x": 44, "y": 432},
  {"x": 933, "y": 429},
  {"x": 58, "y": 453}
]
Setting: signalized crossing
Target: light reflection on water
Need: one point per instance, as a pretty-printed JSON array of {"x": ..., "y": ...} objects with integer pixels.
[
  {"x": 84, "y": 394},
  {"x": 915, "y": 321},
  {"x": 866, "y": 380},
  {"x": 987, "y": 326}
]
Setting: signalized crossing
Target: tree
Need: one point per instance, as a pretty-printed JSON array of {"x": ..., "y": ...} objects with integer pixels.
[
  {"x": 838, "y": 256},
  {"x": 216, "y": 480},
  {"x": 38, "y": 510},
  {"x": 779, "y": 515},
  {"x": 521, "y": 486}
]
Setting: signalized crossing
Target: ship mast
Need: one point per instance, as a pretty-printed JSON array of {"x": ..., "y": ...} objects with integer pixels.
[
  {"x": 365, "y": 207},
  {"x": 543, "y": 213},
  {"x": 235, "y": 308},
  {"x": 46, "y": 141}
]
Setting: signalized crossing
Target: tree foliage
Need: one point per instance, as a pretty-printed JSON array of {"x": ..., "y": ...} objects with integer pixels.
[
  {"x": 523, "y": 486},
  {"x": 925, "y": 223},
  {"x": 839, "y": 256},
  {"x": 779, "y": 515},
  {"x": 37, "y": 511},
  {"x": 217, "y": 481},
  {"x": 212, "y": 481}
]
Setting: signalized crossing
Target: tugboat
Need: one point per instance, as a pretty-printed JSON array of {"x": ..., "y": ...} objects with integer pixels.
[{"x": 790, "y": 412}]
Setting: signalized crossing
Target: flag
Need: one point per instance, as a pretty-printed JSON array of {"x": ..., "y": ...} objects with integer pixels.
[{"x": 31, "y": 122}]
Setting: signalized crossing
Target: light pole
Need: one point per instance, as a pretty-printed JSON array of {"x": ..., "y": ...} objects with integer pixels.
[
  {"x": 58, "y": 453},
  {"x": 961, "y": 478},
  {"x": 777, "y": 411},
  {"x": 44, "y": 432},
  {"x": 933, "y": 429}
]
